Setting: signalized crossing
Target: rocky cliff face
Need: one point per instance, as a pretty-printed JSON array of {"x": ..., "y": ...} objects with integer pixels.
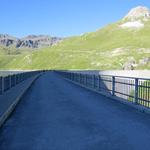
[
  {"x": 7, "y": 40},
  {"x": 31, "y": 41}
]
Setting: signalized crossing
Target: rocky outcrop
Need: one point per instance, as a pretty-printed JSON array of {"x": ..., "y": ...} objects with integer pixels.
[
  {"x": 139, "y": 12},
  {"x": 144, "y": 61},
  {"x": 130, "y": 64},
  {"x": 136, "y": 18},
  {"x": 7, "y": 40},
  {"x": 27, "y": 44},
  {"x": 31, "y": 41}
]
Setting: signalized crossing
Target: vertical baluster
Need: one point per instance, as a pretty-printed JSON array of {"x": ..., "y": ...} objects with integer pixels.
[
  {"x": 113, "y": 85},
  {"x": 136, "y": 91}
]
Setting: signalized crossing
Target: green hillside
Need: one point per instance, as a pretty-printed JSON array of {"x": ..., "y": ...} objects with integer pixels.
[{"x": 107, "y": 48}]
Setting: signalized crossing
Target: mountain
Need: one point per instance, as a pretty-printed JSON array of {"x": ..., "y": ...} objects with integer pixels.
[
  {"x": 121, "y": 45},
  {"x": 136, "y": 18},
  {"x": 31, "y": 41},
  {"x": 7, "y": 40},
  {"x": 139, "y": 12}
]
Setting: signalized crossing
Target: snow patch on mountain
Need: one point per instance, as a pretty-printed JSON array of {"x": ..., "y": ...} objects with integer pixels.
[{"x": 133, "y": 24}]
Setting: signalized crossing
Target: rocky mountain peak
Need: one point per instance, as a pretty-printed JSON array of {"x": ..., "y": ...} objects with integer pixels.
[
  {"x": 136, "y": 18},
  {"x": 31, "y": 41},
  {"x": 138, "y": 13}
]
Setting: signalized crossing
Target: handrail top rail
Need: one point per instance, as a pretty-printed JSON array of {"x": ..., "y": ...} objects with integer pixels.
[
  {"x": 18, "y": 73},
  {"x": 106, "y": 75}
]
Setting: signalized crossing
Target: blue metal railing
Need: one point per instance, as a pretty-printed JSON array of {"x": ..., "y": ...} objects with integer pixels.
[
  {"x": 7, "y": 82},
  {"x": 136, "y": 90}
]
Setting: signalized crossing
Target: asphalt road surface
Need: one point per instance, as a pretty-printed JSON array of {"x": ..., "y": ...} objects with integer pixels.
[{"x": 58, "y": 115}]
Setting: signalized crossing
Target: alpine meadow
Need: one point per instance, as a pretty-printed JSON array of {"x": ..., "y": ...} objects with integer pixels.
[{"x": 121, "y": 45}]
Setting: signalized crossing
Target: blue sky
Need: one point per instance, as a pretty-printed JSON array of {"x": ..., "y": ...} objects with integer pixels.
[{"x": 61, "y": 17}]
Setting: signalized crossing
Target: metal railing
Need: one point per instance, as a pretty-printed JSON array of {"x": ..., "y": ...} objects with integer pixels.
[
  {"x": 7, "y": 82},
  {"x": 136, "y": 90}
]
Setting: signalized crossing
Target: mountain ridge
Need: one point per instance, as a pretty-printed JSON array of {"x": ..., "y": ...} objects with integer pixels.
[{"x": 30, "y": 41}]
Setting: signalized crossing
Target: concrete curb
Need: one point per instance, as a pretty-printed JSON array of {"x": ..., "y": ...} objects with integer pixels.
[
  {"x": 114, "y": 98},
  {"x": 11, "y": 108}
]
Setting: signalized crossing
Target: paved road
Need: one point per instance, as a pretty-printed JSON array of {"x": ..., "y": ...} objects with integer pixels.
[{"x": 57, "y": 115}]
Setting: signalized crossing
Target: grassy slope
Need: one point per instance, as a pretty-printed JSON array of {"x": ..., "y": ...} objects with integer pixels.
[
  {"x": 89, "y": 51},
  {"x": 9, "y": 54}
]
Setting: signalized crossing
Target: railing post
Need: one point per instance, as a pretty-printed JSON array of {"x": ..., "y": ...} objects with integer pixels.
[
  {"x": 18, "y": 78},
  {"x": 99, "y": 82},
  {"x": 72, "y": 76},
  {"x": 80, "y": 78},
  {"x": 136, "y": 91},
  {"x": 10, "y": 81},
  {"x": 15, "y": 82},
  {"x": 113, "y": 85},
  {"x": 3, "y": 86},
  {"x": 86, "y": 80},
  {"x": 94, "y": 81},
  {"x": 76, "y": 77}
]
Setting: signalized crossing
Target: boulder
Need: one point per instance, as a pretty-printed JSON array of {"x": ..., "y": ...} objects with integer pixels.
[
  {"x": 144, "y": 61},
  {"x": 130, "y": 64}
]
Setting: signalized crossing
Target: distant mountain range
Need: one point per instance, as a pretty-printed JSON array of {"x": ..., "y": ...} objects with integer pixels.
[
  {"x": 124, "y": 44},
  {"x": 31, "y": 41}
]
